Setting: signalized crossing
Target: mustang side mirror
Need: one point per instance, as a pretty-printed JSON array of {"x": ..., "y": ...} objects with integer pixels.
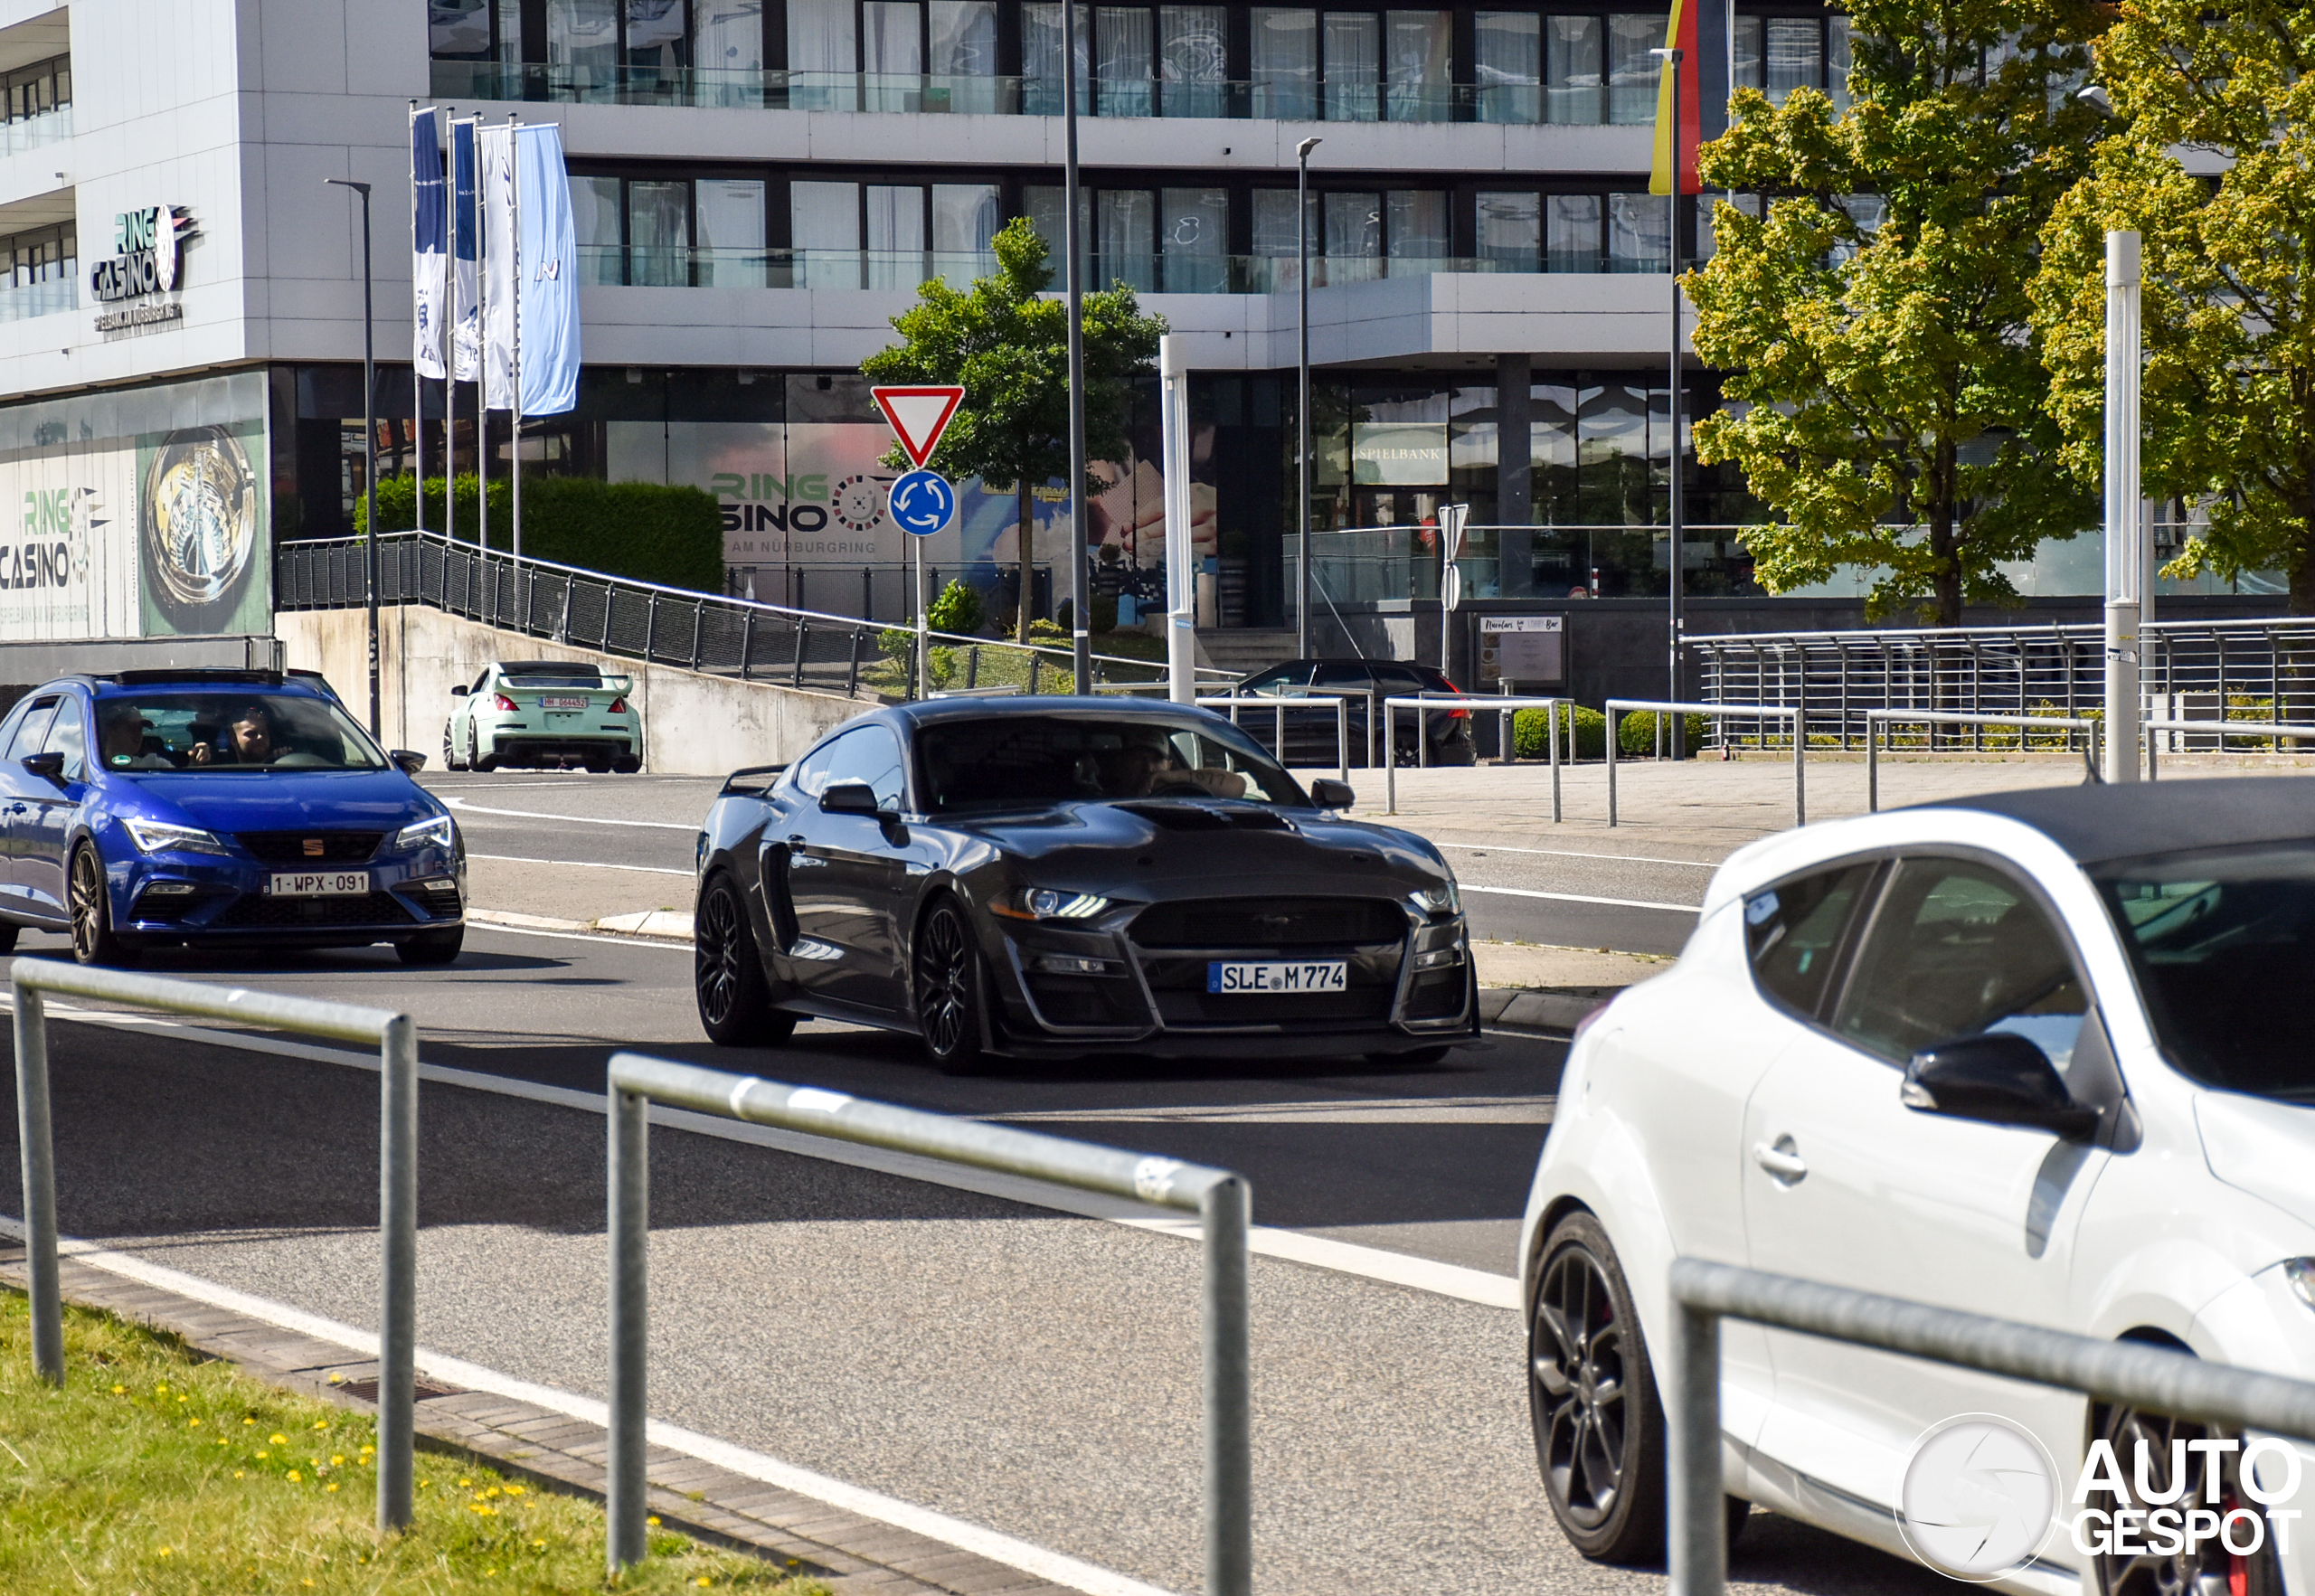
[
  {"x": 1996, "y": 1077},
  {"x": 408, "y": 762},
  {"x": 1329, "y": 794},
  {"x": 849, "y": 797}
]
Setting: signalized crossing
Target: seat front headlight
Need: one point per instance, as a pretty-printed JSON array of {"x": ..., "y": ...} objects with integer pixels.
[
  {"x": 439, "y": 832},
  {"x": 158, "y": 836}
]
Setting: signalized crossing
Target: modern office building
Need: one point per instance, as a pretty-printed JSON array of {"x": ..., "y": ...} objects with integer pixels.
[{"x": 761, "y": 185}]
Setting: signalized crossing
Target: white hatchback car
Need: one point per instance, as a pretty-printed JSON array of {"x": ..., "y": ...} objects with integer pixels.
[{"x": 2038, "y": 1056}]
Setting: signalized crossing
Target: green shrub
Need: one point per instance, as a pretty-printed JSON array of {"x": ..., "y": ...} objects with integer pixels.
[
  {"x": 639, "y": 529},
  {"x": 1105, "y": 613},
  {"x": 1591, "y": 733},
  {"x": 958, "y": 610},
  {"x": 1636, "y": 733}
]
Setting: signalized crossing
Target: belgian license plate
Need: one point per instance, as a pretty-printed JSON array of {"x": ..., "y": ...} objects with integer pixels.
[
  {"x": 317, "y": 883},
  {"x": 1321, "y": 975},
  {"x": 563, "y": 704}
]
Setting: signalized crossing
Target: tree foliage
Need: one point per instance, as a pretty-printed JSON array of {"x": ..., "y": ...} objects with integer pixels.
[
  {"x": 1888, "y": 390},
  {"x": 2229, "y": 375},
  {"x": 1008, "y": 345}
]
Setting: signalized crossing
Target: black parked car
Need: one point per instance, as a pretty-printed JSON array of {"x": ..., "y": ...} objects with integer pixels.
[
  {"x": 1059, "y": 877},
  {"x": 1366, "y": 682}
]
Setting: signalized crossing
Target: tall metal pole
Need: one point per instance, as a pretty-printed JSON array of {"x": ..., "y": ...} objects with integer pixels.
[
  {"x": 417, "y": 378},
  {"x": 1081, "y": 637},
  {"x": 514, "y": 384},
  {"x": 1302, "y": 397},
  {"x": 1181, "y": 579},
  {"x": 369, "y": 438},
  {"x": 2125, "y": 520},
  {"x": 1673, "y": 505}
]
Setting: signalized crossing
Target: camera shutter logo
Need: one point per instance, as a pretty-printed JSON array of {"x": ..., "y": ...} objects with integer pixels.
[{"x": 1979, "y": 1497}]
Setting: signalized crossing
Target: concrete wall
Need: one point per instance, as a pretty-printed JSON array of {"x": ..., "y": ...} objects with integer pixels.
[{"x": 693, "y": 724}]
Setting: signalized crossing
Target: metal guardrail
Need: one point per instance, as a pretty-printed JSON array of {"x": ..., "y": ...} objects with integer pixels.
[
  {"x": 1281, "y": 703},
  {"x": 396, "y": 1038},
  {"x": 1221, "y": 1200},
  {"x": 2219, "y": 731},
  {"x": 1719, "y": 712},
  {"x": 706, "y": 632},
  {"x": 2149, "y": 1378},
  {"x": 1876, "y": 718},
  {"x": 1500, "y": 703}
]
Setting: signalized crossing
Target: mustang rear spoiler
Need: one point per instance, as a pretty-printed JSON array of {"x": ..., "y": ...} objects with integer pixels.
[{"x": 737, "y": 781}]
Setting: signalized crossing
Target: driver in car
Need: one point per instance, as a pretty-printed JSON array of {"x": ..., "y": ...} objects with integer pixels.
[
  {"x": 1150, "y": 764},
  {"x": 124, "y": 743},
  {"x": 249, "y": 740}
]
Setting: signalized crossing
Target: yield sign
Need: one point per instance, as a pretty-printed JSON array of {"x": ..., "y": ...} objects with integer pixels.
[{"x": 919, "y": 416}]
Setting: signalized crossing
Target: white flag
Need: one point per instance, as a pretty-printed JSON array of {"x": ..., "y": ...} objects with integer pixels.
[{"x": 498, "y": 239}]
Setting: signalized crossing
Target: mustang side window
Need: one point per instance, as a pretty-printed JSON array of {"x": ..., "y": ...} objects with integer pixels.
[
  {"x": 1792, "y": 933},
  {"x": 871, "y": 755},
  {"x": 809, "y": 775},
  {"x": 1959, "y": 949}
]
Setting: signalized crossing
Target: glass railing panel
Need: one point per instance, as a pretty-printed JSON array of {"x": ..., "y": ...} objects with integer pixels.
[
  {"x": 22, "y": 301},
  {"x": 31, "y": 133}
]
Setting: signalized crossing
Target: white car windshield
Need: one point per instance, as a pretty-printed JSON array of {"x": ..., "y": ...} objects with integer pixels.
[
  {"x": 237, "y": 731},
  {"x": 2220, "y": 940},
  {"x": 1010, "y": 760}
]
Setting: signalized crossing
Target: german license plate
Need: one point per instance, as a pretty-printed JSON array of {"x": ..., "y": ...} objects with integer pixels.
[
  {"x": 1320, "y": 975},
  {"x": 563, "y": 704},
  {"x": 317, "y": 883}
]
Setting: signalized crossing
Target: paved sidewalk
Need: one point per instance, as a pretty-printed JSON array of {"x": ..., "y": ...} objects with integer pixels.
[{"x": 853, "y": 1554}]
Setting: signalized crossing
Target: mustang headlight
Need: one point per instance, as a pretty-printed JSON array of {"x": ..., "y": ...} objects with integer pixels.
[
  {"x": 2301, "y": 1273},
  {"x": 1446, "y": 898},
  {"x": 157, "y": 836},
  {"x": 440, "y": 832},
  {"x": 1049, "y": 903}
]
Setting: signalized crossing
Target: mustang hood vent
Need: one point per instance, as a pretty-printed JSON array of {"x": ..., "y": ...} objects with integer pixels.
[{"x": 1186, "y": 816}]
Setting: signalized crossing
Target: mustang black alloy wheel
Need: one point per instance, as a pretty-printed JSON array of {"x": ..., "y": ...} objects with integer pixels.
[
  {"x": 1599, "y": 1427},
  {"x": 727, "y": 973},
  {"x": 2210, "y": 1567},
  {"x": 949, "y": 988},
  {"x": 94, "y": 941}
]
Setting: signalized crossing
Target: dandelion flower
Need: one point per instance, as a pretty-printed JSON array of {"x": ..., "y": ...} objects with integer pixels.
[
  {"x": 336, "y": 1460},
  {"x": 538, "y": 1545},
  {"x": 295, "y": 1477},
  {"x": 261, "y": 1457},
  {"x": 118, "y": 1390},
  {"x": 236, "y": 1474},
  {"x": 513, "y": 1490},
  {"x": 166, "y": 1550},
  {"x": 703, "y": 1580},
  {"x": 331, "y": 1485},
  {"x": 321, "y": 1424},
  {"x": 249, "y": 1420},
  {"x": 279, "y": 1441},
  {"x": 653, "y": 1521},
  {"x": 162, "y": 1388},
  {"x": 464, "y": 1483},
  {"x": 193, "y": 1422}
]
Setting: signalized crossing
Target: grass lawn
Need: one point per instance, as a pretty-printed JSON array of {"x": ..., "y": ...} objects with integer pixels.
[
  {"x": 1003, "y": 664},
  {"x": 155, "y": 1473}
]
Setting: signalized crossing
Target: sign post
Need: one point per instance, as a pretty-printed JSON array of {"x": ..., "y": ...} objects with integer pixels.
[{"x": 922, "y": 501}]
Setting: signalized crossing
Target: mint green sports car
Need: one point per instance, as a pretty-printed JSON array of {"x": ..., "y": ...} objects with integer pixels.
[{"x": 543, "y": 712}]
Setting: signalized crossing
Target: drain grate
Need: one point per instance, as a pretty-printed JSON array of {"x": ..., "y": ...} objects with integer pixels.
[{"x": 367, "y": 1390}]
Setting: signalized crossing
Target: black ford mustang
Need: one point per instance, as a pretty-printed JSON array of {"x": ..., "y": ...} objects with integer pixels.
[{"x": 1055, "y": 877}]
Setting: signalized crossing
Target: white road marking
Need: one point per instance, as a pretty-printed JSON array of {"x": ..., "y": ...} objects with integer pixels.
[
  {"x": 1573, "y": 853},
  {"x": 667, "y": 943},
  {"x": 1347, "y": 1110},
  {"x": 1058, "y": 1567},
  {"x": 459, "y": 803},
  {"x": 1580, "y": 897},
  {"x": 1374, "y": 1263},
  {"x": 580, "y": 865}
]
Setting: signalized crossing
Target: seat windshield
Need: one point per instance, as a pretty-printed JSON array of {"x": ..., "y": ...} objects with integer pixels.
[
  {"x": 1008, "y": 761},
  {"x": 2220, "y": 940},
  {"x": 230, "y": 731}
]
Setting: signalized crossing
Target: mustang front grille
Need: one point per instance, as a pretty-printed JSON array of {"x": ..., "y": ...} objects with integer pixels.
[{"x": 1269, "y": 922}]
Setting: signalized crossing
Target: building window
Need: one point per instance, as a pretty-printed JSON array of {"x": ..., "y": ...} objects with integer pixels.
[
  {"x": 1510, "y": 229},
  {"x": 1350, "y": 64},
  {"x": 883, "y": 235},
  {"x": 1421, "y": 85},
  {"x": 40, "y": 272},
  {"x": 488, "y": 31},
  {"x": 1192, "y": 61},
  {"x": 1639, "y": 234},
  {"x": 1506, "y": 65},
  {"x": 1778, "y": 55},
  {"x": 1575, "y": 235},
  {"x": 962, "y": 56},
  {"x": 1632, "y": 69},
  {"x": 671, "y": 231},
  {"x": 1284, "y": 63}
]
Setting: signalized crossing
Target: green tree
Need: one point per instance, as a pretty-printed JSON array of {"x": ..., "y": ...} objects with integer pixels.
[
  {"x": 1888, "y": 394},
  {"x": 1008, "y": 345},
  {"x": 2229, "y": 376}
]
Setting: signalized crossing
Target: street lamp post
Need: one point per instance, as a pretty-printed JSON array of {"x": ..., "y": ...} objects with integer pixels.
[
  {"x": 1081, "y": 638},
  {"x": 1673, "y": 505},
  {"x": 1302, "y": 397},
  {"x": 369, "y": 438}
]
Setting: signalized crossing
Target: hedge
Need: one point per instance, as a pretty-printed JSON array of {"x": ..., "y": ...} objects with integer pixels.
[
  {"x": 669, "y": 535},
  {"x": 1635, "y": 733}
]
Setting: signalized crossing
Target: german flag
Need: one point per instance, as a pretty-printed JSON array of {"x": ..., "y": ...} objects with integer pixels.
[{"x": 1680, "y": 35}]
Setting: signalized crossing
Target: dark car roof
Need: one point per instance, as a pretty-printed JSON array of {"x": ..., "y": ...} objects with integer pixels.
[
  {"x": 2096, "y": 824},
  {"x": 974, "y": 709}
]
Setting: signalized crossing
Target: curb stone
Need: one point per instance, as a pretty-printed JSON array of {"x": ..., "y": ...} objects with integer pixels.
[{"x": 856, "y": 1556}]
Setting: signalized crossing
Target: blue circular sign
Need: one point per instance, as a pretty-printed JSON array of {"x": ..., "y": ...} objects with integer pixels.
[{"x": 923, "y": 502}]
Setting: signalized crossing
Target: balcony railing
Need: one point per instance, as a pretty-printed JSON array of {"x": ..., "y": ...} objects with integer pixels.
[
  {"x": 22, "y": 301},
  {"x": 36, "y": 132},
  {"x": 641, "y": 265},
  {"x": 1382, "y": 565},
  {"x": 465, "y": 82}
]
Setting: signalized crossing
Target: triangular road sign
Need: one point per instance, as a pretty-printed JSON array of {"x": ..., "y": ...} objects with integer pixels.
[{"x": 919, "y": 416}]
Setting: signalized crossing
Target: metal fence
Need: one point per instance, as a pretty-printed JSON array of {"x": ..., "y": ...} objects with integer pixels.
[
  {"x": 2151, "y": 1379},
  {"x": 2058, "y": 727},
  {"x": 673, "y": 626},
  {"x": 1719, "y": 714},
  {"x": 1505, "y": 705},
  {"x": 1219, "y": 1198},
  {"x": 2192, "y": 670},
  {"x": 396, "y": 1038}
]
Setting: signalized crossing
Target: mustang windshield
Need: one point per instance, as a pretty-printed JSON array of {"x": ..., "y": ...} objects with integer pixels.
[
  {"x": 237, "y": 730},
  {"x": 2220, "y": 940},
  {"x": 1006, "y": 762}
]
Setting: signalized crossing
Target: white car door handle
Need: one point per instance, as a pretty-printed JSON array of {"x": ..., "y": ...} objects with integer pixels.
[{"x": 1781, "y": 1160}]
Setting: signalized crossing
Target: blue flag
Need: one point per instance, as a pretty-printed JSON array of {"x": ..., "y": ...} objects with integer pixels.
[
  {"x": 547, "y": 292},
  {"x": 429, "y": 243},
  {"x": 466, "y": 308}
]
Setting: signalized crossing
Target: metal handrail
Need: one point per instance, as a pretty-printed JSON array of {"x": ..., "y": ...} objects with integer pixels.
[
  {"x": 1727, "y": 711},
  {"x": 2138, "y": 1374},
  {"x": 396, "y": 1038},
  {"x": 1221, "y": 1200},
  {"x": 1280, "y": 702},
  {"x": 1500, "y": 702},
  {"x": 2222, "y": 730},
  {"x": 1910, "y": 717}
]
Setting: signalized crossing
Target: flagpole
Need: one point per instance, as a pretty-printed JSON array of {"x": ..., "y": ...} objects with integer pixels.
[
  {"x": 1673, "y": 505},
  {"x": 515, "y": 386},
  {"x": 451, "y": 366},
  {"x": 417, "y": 378},
  {"x": 481, "y": 347}
]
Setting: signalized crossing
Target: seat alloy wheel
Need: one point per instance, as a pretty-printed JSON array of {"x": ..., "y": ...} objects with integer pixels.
[
  {"x": 727, "y": 972},
  {"x": 1599, "y": 1426},
  {"x": 2211, "y": 1570},
  {"x": 91, "y": 906}
]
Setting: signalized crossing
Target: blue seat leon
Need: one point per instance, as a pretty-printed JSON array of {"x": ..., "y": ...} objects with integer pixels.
[{"x": 218, "y": 807}]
